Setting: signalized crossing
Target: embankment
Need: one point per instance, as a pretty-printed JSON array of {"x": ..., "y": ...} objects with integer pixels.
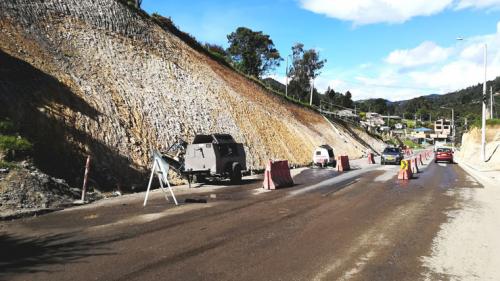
[
  {"x": 470, "y": 151},
  {"x": 96, "y": 77}
]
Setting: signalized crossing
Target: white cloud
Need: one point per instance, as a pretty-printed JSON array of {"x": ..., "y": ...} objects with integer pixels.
[
  {"x": 478, "y": 4},
  {"x": 425, "y": 53},
  {"x": 462, "y": 67},
  {"x": 474, "y": 52},
  {"x": 362, "y": 12},
  {"x": 374, "y": 11}
]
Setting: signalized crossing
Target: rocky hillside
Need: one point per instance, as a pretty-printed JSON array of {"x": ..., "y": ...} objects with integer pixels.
[
  {"x": 96, "y": 77},
  {"x": 470, "y": 149}
]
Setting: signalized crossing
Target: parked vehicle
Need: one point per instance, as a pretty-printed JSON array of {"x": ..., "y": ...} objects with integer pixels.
[
  {"x": 443, "y": 154},
  {"x": 324, "y": 156},
  {"x": 208, "y": 156},
  {"x": 216, "y": 155},
  {"x": 438, "y": 144},
  {"x": 392, "y": 155}
]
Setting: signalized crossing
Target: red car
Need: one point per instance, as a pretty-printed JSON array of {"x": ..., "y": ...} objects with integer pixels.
[{"x": 443, "y": 154}]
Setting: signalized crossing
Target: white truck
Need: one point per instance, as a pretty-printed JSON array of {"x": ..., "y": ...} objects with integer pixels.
[{"x": 324, "y": 156}]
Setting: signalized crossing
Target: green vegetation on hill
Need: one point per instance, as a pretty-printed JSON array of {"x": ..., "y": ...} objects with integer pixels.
[
  {"x": 11, "y": 144},
  {"x": 466, "y": 104},
  {"x": 489, "y": 122}
]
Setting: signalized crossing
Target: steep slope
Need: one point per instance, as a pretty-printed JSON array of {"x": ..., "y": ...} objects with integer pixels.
[
  {"x": 470, "y": 150},
  {"x": 95, "y": 77}
]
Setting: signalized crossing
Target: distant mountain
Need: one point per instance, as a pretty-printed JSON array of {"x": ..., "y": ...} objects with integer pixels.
[{"x": 465, "y": 102}]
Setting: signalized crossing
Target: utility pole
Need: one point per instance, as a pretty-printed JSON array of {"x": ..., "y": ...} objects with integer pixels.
[
  {"x": 483, "y": 119},
  {"x": 453, "y": 125},
  {"x": 286, "y": 78}
]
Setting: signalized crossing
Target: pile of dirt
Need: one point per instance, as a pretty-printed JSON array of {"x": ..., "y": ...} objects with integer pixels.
[{"x": 26, "y": 191}]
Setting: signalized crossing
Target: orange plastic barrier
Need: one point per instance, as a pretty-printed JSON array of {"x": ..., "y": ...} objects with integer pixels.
[
  {"x": 343, "y": 163},
  {"x": 405, "y": 172},
  {"x": 371, "y": 158},
  {"x": 414, "y": 166},
  {"x": 277, "y": 175}
]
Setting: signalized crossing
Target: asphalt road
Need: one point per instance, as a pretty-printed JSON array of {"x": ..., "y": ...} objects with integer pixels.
[{"x": 362, "y": 225}]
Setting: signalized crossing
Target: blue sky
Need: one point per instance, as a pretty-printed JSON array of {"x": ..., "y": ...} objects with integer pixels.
[{"x": 394, "y": 49}]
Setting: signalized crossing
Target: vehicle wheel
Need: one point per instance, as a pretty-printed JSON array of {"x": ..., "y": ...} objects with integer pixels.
[
  {"x": 382, "y": 163},
  {"x": 235, "y": 176},
  {"x": 435, "y": 161},
  {"x": 399, "y": 163}
]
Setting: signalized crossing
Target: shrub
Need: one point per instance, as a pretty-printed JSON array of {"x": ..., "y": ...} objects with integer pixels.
[
  {"x": 8, "y": 165},
  {"x": 6, "y": 127},
  {"x": 489, "y": 122},
  {"x": 13, "y": 143},
  {"x": 411, "y": 144}
]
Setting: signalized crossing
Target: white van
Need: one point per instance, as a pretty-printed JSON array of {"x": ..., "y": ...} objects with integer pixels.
[{"x": 324, "y": 156}]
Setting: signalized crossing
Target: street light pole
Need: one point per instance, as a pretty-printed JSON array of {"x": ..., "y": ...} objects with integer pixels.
[
  {"x": 453, "y": 126},
  {"x": 483, "y": 120}
]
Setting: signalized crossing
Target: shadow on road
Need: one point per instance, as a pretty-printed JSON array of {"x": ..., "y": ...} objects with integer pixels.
[
  {"x": 227, "y": 182},
  {"x": 28, "y": 254}
]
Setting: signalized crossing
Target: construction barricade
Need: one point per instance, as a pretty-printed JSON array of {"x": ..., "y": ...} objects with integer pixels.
[
  {"x": 343, "y": 163},
  {"x": 277, "y": 175},
  {"x": 371, "y": 158},
  {"x": 414, "y": 166},
  {"x": 405, "y": 172}
]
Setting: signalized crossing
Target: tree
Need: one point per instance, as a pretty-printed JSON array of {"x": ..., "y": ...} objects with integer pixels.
[
  {"x": 338, "y": 100},
  {"x": 347, "y": 102},
  {"x": 253, "y": 52},
  {"x": 306, "y": 65}
]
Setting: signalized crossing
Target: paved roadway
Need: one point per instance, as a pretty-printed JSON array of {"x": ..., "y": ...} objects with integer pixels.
[{"x": 361, "y": 225}]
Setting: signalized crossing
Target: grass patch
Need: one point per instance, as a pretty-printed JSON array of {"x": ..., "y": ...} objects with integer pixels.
[
  {"x": 489, "y": 122},
  {"x": 8, "y": 165},
  {"x": 13, "y": 143},
  {"x": 411, "y": 144}
]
